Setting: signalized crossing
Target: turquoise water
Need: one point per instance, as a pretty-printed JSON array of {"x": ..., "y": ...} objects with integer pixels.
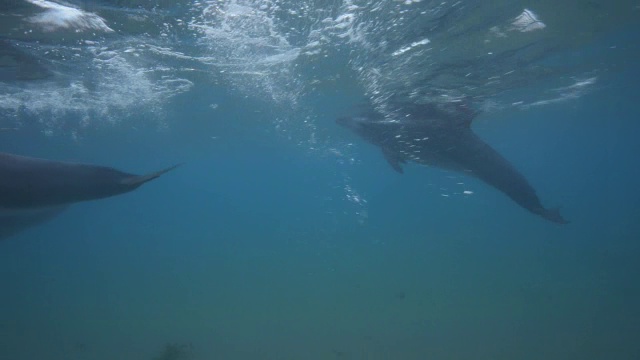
[{"x": 285, "y": 236}]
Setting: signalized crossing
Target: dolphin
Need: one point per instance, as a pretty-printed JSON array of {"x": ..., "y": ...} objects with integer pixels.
[
  {"x": 441, "y": 136},
  {"x": 17, "y": 65},
  {"x": 35, "y": 190}
]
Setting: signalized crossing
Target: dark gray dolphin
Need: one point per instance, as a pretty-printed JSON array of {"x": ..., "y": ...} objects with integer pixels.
[
  {"x": 17, "y": 65},
  {"x": 35, "y": 190},
  {"x": 442, "y": 136}
]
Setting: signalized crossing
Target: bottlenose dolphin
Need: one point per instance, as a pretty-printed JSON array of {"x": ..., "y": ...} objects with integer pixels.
[
  {"x": 17, "y": 65},
  {"x": 441, "y": 136},
  {"x": 34, "y": 190}
]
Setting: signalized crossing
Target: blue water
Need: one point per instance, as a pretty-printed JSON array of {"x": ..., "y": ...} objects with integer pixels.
[{"x": 285, "y": 236}]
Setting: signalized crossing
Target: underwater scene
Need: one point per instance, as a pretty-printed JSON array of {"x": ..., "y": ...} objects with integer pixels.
[{"x": 319, "y": 179}]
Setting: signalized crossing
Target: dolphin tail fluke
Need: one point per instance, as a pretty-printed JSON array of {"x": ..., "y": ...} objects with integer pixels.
[
  {"x": 553, "y": 215},
  {"x": 135, "y": 181}
]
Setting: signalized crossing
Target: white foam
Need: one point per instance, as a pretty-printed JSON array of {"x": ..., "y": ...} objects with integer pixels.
[
  {"x": 118, "y": 89},
  {"x": 57, "y": 16},
  {"x": 246, "y": 45},
  {"x": 403, "y": 50},
  {"x": 527, "y": 21}
]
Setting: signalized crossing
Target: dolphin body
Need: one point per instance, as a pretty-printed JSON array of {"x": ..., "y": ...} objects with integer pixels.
[
  {"x": 35, "y": 190},
  {"x": 442, "y": 137},
  {"x": 17, "y": 65}
]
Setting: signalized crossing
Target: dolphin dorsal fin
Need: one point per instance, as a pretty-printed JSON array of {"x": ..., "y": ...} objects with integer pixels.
[
  {"x": 393, "y": 159},
  {"x": 464, "y": 113}
]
